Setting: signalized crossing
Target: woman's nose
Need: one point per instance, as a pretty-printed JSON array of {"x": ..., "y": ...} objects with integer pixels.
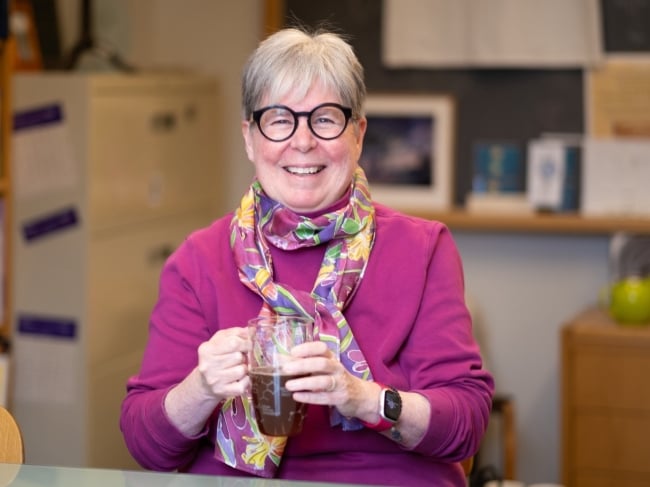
[{"x": 303, "y": 139}]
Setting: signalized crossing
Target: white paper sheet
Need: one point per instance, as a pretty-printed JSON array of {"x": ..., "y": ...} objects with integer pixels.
[
  {"x": 43, "y": 158},
  {"x": 46, "y": 370},
  {"x": 491, "y": 33},
  {"x": 616, "y": 177}
]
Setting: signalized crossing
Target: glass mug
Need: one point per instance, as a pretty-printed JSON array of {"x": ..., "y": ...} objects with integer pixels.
[{"x": 272, "y": 338}]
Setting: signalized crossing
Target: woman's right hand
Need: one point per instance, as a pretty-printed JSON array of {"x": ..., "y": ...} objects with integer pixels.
[
  {"x": 222, "y": 372},
  {"x": 223, "y": 363}
]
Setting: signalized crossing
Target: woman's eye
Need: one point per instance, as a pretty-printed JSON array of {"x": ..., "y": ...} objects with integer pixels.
[
  {"x": 281, "y": 121},
  {"x": 323, "y": 120},
  {"x": 279, "y": 118}
]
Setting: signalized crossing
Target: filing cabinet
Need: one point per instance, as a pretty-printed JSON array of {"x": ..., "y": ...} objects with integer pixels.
[{"x": 105, "y": 190}]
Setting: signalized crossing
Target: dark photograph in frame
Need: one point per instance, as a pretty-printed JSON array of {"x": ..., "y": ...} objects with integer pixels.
[{"x": 407, "y": 152}]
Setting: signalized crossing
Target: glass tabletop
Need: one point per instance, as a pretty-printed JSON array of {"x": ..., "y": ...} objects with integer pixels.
[{"x": 36, "y": 475}]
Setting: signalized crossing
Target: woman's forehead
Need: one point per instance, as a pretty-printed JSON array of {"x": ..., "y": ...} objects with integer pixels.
[{"x": 296, "y": 95}]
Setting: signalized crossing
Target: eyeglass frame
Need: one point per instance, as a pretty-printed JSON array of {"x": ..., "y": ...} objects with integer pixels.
[{"x": 256, "y": 116}]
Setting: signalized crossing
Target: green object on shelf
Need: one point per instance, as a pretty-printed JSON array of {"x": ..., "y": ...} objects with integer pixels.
[{"x": 630, "y": 300}]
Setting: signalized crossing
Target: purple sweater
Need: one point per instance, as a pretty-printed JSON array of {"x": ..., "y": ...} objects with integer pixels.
[{"x": 408, "y": 317}]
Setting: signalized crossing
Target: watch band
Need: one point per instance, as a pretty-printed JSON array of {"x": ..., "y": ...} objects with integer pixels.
[{"x": 383, "y": 424}]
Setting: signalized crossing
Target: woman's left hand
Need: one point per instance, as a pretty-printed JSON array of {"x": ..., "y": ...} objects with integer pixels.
[{"x": 328, "y": 382}]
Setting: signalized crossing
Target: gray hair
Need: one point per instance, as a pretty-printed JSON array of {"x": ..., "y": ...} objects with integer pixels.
[{"x": 292, "y": 59}]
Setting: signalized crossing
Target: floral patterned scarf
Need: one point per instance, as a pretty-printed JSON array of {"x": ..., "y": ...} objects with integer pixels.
[{"x": 349, "y": 234}]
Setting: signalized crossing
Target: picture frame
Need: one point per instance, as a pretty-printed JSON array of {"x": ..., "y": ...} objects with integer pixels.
[{"x": 408, "y": 151}]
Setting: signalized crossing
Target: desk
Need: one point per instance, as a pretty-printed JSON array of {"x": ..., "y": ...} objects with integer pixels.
[{"x": 37, "y": 476}]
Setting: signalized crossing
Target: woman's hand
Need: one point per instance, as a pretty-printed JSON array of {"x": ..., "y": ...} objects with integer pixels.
[
  {"x": 222, "y": 372},
  {"x": 223, "y": 363},
  {"x": 328, "y": 382}
]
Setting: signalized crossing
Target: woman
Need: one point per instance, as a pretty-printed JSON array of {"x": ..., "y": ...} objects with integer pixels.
[{"x": 385, "y": 291}]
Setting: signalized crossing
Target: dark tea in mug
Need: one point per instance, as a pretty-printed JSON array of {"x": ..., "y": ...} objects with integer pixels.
[
  {"x": 272, "y": 338},
  {"x": 276, "y": 412}
]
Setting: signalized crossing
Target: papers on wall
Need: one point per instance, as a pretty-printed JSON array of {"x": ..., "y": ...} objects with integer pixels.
[
  {"x": 616, "y": 177},
  {"x": 45, "y": 350},
  {"x": 491, "y": 33},
  {"x": 42, "y": 154},
  {"x": 618, "y": 98}
]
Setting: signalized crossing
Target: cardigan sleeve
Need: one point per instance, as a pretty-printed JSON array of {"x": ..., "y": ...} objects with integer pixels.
[
  {"x": 176, "y": 328},
  {"x": 444, "y": 363},
  {"x": 415, "y": 330}
]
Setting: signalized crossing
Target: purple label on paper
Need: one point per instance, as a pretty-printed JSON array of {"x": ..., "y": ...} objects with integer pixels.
[
  {"x": 54, "y": 222},
  {"x": 35, "y": 117},
  {"x": 47, "y": 325}
]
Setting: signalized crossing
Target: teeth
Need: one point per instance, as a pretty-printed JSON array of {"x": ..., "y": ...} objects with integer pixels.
[{"x": 303, "y": 170}]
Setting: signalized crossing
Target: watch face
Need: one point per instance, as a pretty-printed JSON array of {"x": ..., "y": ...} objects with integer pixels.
[{"x": 392, "y": 405}]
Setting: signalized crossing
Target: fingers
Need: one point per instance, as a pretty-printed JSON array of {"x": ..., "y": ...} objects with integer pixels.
[
  {"x": 311, "y": 349},
  {"x": 229, "y": 340},
  {"x": 332, "y": 386},
  {"x": 223, "y": 364}
]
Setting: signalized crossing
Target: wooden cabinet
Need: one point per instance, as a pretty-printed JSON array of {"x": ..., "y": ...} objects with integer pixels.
[
  {"x": 105, "y": 191},
  {"x": 605, "y": 402},
  {"x": 6, "y": 66}
]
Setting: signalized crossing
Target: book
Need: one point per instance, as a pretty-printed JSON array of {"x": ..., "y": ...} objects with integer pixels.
[
  {"x": 498, "y": 168},
  {"x": 553, "y": 174}
]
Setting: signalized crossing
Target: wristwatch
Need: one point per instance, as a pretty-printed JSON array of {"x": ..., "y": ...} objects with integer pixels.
[{"x": 390, "y": 407}]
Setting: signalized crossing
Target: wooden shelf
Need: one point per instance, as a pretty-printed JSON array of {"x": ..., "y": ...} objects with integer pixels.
[{"x": 565, "y": 223}]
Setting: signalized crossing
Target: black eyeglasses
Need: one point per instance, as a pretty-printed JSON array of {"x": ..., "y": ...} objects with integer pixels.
[{"x": 278, "y": 122}]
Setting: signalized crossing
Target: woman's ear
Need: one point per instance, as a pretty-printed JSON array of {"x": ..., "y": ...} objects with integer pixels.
[
  {"x": 246, "y": 131},
  {"x": 360, "y": 132},
  {"x": 362, "y": 125}
]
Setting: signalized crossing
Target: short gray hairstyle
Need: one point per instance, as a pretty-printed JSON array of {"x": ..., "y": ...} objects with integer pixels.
[{"x": 292, "y": 59}]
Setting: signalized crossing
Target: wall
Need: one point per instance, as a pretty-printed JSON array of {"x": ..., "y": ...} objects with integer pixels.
[
  {"x": 213, "y": 37},
  {"x": 522, "y": 286}
]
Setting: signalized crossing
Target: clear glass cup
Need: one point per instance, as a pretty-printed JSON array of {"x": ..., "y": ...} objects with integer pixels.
[{"x": 272, "y": 338}]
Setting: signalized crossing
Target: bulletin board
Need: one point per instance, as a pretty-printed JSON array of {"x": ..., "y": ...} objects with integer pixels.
[{"x": 490, "y": 104}]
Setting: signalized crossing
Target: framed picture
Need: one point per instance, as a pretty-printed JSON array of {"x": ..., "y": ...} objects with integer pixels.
[{"x": 408, "y": 151}]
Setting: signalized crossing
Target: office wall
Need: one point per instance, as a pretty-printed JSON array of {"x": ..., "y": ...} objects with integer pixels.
[{"x": 522, "y": 286}]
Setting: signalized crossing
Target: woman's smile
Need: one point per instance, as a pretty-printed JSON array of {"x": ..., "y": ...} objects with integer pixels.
[{"x": 304, "y": 171}]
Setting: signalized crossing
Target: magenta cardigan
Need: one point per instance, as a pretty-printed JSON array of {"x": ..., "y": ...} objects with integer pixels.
[{"x": 408, "y": 317}]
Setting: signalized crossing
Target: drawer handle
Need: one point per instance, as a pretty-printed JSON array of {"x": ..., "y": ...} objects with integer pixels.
[
  {"x": 160, "y": 254},
  {"x": 163, "y": 122}
]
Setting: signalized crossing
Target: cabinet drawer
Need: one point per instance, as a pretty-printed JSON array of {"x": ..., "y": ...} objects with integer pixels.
[
  {"x": 151, "y": 156},
  {"x": 605, "y": 441},
  {"x": 609, "y": 479},
  {"x": 612, "y": 377},
  {"x": 123, "y": 284},
  {"x": 106, "y": 390}
]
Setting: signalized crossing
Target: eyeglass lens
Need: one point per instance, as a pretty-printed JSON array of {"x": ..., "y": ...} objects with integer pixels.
[{"x": 326, "y": 122}]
